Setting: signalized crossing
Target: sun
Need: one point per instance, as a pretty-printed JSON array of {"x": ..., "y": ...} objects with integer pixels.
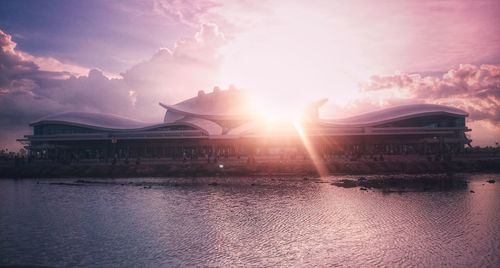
[
  {"x": 271, "y": 109},
  {"x": 295, "y": 62}
]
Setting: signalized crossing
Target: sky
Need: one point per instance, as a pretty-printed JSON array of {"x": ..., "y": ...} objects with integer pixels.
[{"x": 123, "y": 57}]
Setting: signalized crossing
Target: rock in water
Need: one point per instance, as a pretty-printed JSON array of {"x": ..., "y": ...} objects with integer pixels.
[{"x": 491, "y": 181}]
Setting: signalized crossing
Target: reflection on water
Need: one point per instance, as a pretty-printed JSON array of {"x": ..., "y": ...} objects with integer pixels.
[{"x": 273, "y": 223}]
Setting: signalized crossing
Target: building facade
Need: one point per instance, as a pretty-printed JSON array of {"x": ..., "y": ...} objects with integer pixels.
[{"x": 221, "y": 124}]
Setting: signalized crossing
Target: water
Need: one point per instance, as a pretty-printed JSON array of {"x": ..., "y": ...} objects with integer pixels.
[{"x": 278, "y": 222}]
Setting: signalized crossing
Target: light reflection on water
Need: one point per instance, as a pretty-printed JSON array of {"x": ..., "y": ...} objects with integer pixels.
[{"x": 276, "y": 223}]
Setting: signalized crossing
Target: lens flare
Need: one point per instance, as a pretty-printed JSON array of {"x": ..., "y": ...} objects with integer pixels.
[{"x": 315, "y": 157}]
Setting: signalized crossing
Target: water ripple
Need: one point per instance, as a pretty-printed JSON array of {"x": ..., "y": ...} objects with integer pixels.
[{"x": 246, "y": 222}]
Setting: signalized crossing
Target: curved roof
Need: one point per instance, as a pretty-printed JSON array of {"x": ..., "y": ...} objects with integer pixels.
[
  {"x": 397, "y": 113},
  {"x": 218, "y": 105},
  {"x": 96, "y": 120},
  {"x": 116, "y": 123},
  {"x": 210, "y": 127},
  {"x": 245, "y": 128}
]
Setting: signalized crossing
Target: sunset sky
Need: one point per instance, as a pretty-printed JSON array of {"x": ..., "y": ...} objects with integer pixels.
[{"x": 123, "y": 57}]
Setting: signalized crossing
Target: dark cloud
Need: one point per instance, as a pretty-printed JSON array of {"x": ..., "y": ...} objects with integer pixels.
[
  {"x": 12, "y": 64},
  {"x": 28, "y": 92}
]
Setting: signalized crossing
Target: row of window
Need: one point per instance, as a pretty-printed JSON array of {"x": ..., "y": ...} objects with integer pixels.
[
  {"x": 425, "y": 121},
  {"x": 55, "y": 129},
  {"x": 429, "y": 121}
]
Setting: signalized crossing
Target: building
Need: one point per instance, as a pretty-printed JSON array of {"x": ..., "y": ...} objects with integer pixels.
[{"x": 221, "y": 124}]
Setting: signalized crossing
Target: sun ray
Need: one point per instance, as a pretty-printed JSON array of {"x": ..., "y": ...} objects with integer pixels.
[{"x": 318, "y": 163}]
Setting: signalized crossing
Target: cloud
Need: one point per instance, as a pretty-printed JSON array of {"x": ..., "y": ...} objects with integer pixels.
[
  {"x": 188, "y": 12},
  {"x": 172, "y": 75},
  {"x": 232, "y": 16},
  {"x": 32, "y": 87},
  {"x": 12, "y": 64},
  {"x": 473, "y": 88},
  {"x": 16, "y": 65}
]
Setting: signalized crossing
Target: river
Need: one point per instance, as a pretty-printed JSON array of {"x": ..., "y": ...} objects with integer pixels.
[{"x": 274, "y": 222}]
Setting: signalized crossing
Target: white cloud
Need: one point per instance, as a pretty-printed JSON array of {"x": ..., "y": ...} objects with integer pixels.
[{"x": 172, "y": 75}]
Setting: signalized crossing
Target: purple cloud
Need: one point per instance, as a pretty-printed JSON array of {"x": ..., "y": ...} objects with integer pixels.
[
  {"x": 172, "y": 75},
  {"x": 475, "y": 89},
  {"x": 28, "y": 92}
]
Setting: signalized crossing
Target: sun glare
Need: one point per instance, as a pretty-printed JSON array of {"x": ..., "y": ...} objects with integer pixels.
[
  {"x": 295, "y": 62},
  {"x": 290, "y": 63},
  {"x": 271, "y": 110},
  {"x": 310, "y": 148}
]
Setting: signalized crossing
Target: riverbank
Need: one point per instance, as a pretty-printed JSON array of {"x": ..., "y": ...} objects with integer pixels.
[
  {"x": 168, "y": 168},
  {"x": 398, "y": 183}
]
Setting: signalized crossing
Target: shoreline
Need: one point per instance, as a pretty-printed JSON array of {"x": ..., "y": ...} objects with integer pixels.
[
  {"x": 386, "y": 184},
  {"x": 155, "y": 168}
]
